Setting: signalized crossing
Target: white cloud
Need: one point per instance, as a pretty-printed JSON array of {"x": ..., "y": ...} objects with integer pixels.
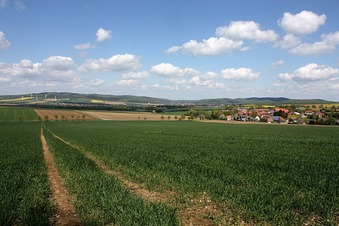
[
  {"x": 315, "y": 72},
  {"x": 305, "y": 22},
  {"x": 239, "y": 74},
  {"x": 278, "y": 63},
  {"x": 314, "y": 48},
  {"x": 84, "y": 46},
  {"x": 212, "y": 46},
  {"x": 135, "y": 75},
  {"x": 310, "y": 72},
  {"x": 103, "y": 35},
  {"x": 56, "y": 69},
  {"x": 58, "y": 63},
  {"x": 288, "y": 41},
  {"x": 327, "y": 45},
  {"x": 4, "y": 43},
  {"x": 118, "y": 62},
  {"x": 335, "y": 86},
  {"x": 96, "y": 82},
  {"x": 127, "y": 82},
  {"x": 173, "y": 49},
  {"x": 285, "y": 76},
  {"x": 246, "y": 30},
  {"x": 167, "y": 69}
]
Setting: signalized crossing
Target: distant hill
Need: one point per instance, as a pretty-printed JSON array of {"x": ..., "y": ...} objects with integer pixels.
[{"x": 67, "y": 97}]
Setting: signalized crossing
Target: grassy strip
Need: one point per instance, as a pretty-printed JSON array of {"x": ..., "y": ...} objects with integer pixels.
[
  {"x": 24, "y": 190},
  {"x": 17, "y": 114},
  {"x": 100, "y": 198},
  {"x": 278, "y": 174}
]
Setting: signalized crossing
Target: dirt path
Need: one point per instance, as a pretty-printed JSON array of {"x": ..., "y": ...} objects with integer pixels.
[
  {"x": 65, "y": 210},
  {"x": 198, "y": 212}
]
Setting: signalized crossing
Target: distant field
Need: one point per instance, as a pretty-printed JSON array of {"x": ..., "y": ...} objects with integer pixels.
[
  {"x": 17, "y": 114},
  {"x": 64, "y": 115},
  {"x": 127, "y": 116}
]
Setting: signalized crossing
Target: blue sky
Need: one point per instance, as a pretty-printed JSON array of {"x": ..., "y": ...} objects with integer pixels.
[{"x": 187, "y": 49}]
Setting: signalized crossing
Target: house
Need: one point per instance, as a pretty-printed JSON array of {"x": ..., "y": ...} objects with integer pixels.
[
  {"x": 278, "y": 119},
  {"x": 266, "y": 118},
  {"x": 228, "y": 117},
  {"x": 308, "y": 112}
]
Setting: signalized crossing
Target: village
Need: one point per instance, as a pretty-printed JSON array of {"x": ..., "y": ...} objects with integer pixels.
[{"x": 302, "y": 115}]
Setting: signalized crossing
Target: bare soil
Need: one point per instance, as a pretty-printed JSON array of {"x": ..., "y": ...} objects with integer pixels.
[
  {"x": 127, "y": 115},
  {"x": 77, "y": 115},
  {"x": 60, "y": 196}
]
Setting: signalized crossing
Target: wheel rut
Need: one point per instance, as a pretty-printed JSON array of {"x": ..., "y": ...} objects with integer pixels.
[
  {"x": 194, "y": 213},
  {"x": 65, "y": 214}
]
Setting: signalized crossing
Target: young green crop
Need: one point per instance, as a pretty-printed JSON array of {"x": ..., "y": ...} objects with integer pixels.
[
  {"x": 99, "y": 198},
  {"x": 17, "y": 114},
  {"x": 24, "y": 190},
  {"x": 282, "y": 175}
]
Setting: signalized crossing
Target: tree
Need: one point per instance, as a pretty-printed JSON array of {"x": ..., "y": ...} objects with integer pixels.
[
  {"x": 56, "y": 117},
  {"x": 46, "y": 117},
  {"x": 182, "y": 117},
  {"x": 176, "y": 117},
  {"x": 162, "y": 117},
  {"x": 168, "y": 117},
  {"x": 216, "y": 114},
  {"x": 21, "y": 118},
  {"x": 62, "y": 117},
  {"x": 83, "y": 117},
  {"x": 39, "y": 118},
  {"x": 191, "y": 117},
  {"x": 72, "y": 116}
]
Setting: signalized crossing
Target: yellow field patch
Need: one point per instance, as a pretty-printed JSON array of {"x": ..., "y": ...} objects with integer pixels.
[
  {"x": 97, "y": 101},
  {"x": 17, "y": 99}
]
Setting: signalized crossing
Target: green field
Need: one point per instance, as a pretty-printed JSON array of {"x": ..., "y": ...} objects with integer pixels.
[
  {"x": 262, "y": 174},
  {"x": 17, "y": 114},
  {"x": 24, "y": 190}
]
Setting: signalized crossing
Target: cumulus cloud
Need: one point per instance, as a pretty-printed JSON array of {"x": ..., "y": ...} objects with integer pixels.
[
  {"x": 84, "y": 46},
  {"x": 228, "y": 39},
  {"x": 303, "y": 23},
  {"x": 288, "y": 41},
  {"x": 246, "y": 30},
  {"x": 239, "y": 74},
  {"x": 310, "y": 72},
  {"x": 103, "y": 35},
  {"x": 212, "y": 46},
  {"x": 132, "y": 78},
  {"x": 120, "y": 62},
  {"x": 167, "y": 69},
  {"x": 55, "y": 68},
  {"x": 135, "y": 75},
  {"x": 4, "y": 43},
  {"x": 327, "y": 45}
]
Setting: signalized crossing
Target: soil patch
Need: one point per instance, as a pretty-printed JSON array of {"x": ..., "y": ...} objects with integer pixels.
[
  {"x": 130, "y": 116},
  {"x": 65, "y": 210},
  {"x": 67, "y": 115}
]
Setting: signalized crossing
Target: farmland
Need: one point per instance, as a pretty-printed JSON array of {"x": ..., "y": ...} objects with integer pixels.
[
  {"x": 24, "y": 190},
  {"x": 171, "y": 172},
  {"x": 17, "y": 114},
  {"x": 262, "y": 174}
]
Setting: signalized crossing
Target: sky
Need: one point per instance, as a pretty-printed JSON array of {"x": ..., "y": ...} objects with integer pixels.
[{"x": 174, "y": 49}]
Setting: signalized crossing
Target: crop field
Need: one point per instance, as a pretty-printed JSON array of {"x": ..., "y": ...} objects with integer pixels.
[
  {"x": 171, "y": 173},
  {"x": 24, "y": 190},
  {"x": 241, "y": 173},
  {"x": 17, "y": 114}
]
